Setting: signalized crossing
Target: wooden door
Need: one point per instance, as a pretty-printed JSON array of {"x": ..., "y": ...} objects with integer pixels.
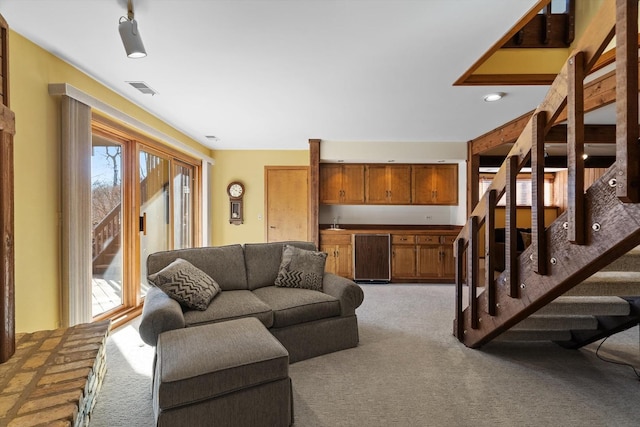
[
  {"x": 403, "y": 261},
  {"x": 376, "y": 184},
  {"x": 399, "y": 184},
  {"x": 353, "y": 184},
  {"x": 448, "y": 264},
  {"x": 286, "y": 203}
]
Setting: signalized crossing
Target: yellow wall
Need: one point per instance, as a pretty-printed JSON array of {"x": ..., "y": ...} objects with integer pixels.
[
  {"x": 247, "y": 167},
  {"x": 37, "y": 174}
]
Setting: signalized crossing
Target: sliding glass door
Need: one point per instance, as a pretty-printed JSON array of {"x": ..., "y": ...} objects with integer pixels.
[
  {"x": 145, "y": 199},
  {"x": 107, "y": 231},
  {"x": 155, "y": 209}
]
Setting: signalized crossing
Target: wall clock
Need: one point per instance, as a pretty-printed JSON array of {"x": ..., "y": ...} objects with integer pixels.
[{"x": 235, "y": 190}]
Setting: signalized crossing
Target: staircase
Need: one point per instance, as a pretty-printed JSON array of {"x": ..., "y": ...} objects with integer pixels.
[
  {"x": 560, "y": 287},
  {"x": 592, "y": 310}
]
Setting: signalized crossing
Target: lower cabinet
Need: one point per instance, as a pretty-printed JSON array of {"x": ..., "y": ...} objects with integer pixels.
[
  {"x": 425, "y": 257},
  {"x": 403, "y": 257},
  {"x": 339, "y": 255},
  {"x": 422, "y": 257}
]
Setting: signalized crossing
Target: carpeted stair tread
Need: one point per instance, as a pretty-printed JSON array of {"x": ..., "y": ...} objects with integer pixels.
[
  {"x": 551, "y": 322},
  {"x": 534, "y": 335},
  {"x": 627, "y": 262},
  {"x": 587, "y": 305},
  {"x": 607, "y": 283}
]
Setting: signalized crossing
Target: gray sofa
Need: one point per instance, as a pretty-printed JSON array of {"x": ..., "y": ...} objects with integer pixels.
[{"x": 308, "y": 323}]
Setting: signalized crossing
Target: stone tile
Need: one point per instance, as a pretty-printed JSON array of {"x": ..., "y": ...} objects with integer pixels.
[
  {"x": 7, "y": 402},
  {"x": 50, "y": 344},
  {"x": 19, "y": 382},
  {"x": 67, "y": 413},
  {"x": 36, "y": 361},
  {"x": 47, "y": 389},
  {"x": 62, "y": 367},
  {"x": 38, "y": 405},
  {"x": 65, "y": 376}
]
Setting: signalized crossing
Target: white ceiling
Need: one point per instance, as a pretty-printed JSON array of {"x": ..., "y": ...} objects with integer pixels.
[{"x": 270, "y": 74}]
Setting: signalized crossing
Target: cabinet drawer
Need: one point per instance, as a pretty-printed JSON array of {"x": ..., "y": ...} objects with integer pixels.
[
  {"x": 403, "y": 239},
  {"x": 336, "y": 239},
  {"x": 448, "y": 240},
  {"x": 426, "y": 240}
]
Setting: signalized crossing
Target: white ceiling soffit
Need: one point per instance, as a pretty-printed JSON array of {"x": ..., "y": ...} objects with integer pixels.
[{"x": 270, "y": 74}]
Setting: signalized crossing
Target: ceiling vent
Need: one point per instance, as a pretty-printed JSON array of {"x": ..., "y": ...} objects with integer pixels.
[{"x": 143, "y": 87}]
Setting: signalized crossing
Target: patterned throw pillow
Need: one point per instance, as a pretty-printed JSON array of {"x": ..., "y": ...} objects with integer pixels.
[
  {"x": 187, "y": 284},
  {"x": 301, "y": 268}
]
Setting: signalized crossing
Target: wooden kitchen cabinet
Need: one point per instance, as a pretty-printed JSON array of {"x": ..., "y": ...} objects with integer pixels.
[
  {"x": 388, "y": 184},
  {"x": 342, "y": 183},
  {"x": 435, "y": 257},
  {"x": 403, "y": 257},
  {"x": 434, "y": 184},
  {"x": 339, "y": 254}
]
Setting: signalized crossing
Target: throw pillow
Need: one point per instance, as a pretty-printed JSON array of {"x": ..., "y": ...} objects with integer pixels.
[
  {"x": 301, "y": 268},
  {"x": 187, "y": 284}
]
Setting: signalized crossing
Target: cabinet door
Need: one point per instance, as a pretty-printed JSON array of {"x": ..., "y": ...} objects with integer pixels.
[
  {"x": 344, "y": 261},
  {"x": 330, "y": 264},
  {"x": 445, "y": 184},
  {"x": 376, "y": 184},
  {"x": 353, "y": 184},
  {"x": 422, "y": 184},
  {"x": 403, "y": 261},
  {"x": 330, "y": 183},
  {"x": 448, "y": 265},
  {"x": 399, "y": 184},
  {"x": 429, "y": 258}
]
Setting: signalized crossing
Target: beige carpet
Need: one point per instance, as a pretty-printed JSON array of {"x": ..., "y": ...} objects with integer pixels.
[{"x": 410, "y": 371}]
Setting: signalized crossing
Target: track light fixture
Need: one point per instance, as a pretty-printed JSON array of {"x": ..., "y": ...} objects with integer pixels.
[{"x": 128, "y": 28}]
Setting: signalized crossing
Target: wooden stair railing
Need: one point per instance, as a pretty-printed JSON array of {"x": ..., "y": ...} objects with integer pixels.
[
  {"x": 598, "y": 227},
  {"x": 106, "y": 232}
]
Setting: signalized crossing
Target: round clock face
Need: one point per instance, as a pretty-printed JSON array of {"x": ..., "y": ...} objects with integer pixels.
[{"x": 236, "y": 190}]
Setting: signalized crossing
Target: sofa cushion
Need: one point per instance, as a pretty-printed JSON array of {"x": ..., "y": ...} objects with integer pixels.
[
  {"x": 263, "y": 261},
  {"x": 301, "y": 268},
  {"x": 292, "y": 306},
  {"x": 231, "y": 305},
  {"x": 224, "y": 264},
  {"x": 187, "y": 284}
]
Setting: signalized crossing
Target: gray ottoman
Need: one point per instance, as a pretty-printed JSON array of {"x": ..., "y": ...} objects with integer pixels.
[{"x": 232, "y": 373}]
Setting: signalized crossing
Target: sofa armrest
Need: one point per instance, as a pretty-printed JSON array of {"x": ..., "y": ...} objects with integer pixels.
[
  {"x": 347, "y": 291},
  {"x": 160, "y": 313}
]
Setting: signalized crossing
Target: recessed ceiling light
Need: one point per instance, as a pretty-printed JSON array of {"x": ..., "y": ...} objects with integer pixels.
[{"x": 492, "y": 97}]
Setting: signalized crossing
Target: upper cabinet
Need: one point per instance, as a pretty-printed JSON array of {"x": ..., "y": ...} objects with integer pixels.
[
  {"x": 378, "y": 184},
  {"x": 435, "y": 184},
  {"x": 342, "y": 184},
  {"x": 388, "y": 184}
]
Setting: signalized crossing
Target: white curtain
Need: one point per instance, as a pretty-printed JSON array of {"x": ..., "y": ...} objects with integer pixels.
[{"x": 76, "y": 212}]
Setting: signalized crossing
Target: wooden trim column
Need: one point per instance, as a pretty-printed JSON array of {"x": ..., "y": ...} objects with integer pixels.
[
  {"x": 7, "y": 254},
  {"x": 314, "y": 190}
]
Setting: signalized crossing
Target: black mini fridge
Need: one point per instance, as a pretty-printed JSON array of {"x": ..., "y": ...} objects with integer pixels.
[{"x": 371, "y": 258}]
